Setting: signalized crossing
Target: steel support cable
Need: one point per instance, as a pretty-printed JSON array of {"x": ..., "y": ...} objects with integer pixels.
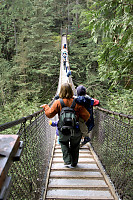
[{"x": 115, "y": 113}]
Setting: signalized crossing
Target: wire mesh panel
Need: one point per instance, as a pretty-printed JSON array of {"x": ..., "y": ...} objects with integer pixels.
[
  {"x": 29, "y": 174},
  {"x": 112, "y": 141}
]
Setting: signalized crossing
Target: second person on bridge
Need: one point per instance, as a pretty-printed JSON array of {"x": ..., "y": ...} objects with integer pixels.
[{"x": 69, "y": 139}]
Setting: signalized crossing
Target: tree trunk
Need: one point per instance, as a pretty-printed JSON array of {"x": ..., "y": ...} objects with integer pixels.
[
  {"x": 15, "y": 36},
  {"x": 68, "y": 17},
  {"x": 77, "y": 2}
]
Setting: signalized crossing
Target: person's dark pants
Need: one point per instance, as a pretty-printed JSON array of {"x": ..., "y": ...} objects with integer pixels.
[
  {"x": 70, "y": 147},
  {"x": 64, "y": 65},
  {"x": 66, "y": 69}
]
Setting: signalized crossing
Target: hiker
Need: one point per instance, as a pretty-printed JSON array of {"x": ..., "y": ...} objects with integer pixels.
[
  {"x": 66, "y": 68},
  {"x": 70, "y": 141},
  {"x": 64, "y": 59},
  {"x": 64, "y": 54},
  {"x": 54, "y": 124},
  {"x": 64, "y": 63},
  {"x": 88, "y": 102},
  {"x": 64, "y": 46},
  {"x": 69, "y": 73}
]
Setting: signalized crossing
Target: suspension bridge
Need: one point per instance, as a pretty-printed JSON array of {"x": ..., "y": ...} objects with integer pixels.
[{"x": 104, "y": 168}]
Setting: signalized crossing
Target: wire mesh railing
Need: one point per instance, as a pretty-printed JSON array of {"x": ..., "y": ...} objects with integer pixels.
[
  {"x": 112, "y": 138},
  {"x": 30, "y": 173}
]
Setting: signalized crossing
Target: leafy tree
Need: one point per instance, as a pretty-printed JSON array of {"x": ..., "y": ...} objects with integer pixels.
[
  {"x": 83, "y": 59},
  {"x": 42, "y": 54},
  {"x": 32, "y": 66},
  {"x": 6, "y": 32},
  {"x": 100, "y": 50},
  {"x": 111, "y": 26}
]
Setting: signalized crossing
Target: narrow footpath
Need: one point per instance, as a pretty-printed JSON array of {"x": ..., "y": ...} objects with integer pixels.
[{"x": 87, "y": 180}]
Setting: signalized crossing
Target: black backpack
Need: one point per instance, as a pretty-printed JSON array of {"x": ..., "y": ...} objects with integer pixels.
[{"x": 67, "y": 119}]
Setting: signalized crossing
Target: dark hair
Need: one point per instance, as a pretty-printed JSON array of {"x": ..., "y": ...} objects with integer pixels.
[
  {"x": 66, "y": 91},
  {"x": 81, "y": 90}
]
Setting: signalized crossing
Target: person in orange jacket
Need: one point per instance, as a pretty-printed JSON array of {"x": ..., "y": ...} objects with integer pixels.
[{"x": 69, "y": 143}]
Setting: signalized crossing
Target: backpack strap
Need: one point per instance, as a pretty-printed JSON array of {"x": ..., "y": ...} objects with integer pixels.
[
  {"x": 62, "y": 103},
  {"x": 73, "y": 104}
]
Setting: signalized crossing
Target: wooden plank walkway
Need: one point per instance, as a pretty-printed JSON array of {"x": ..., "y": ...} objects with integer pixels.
[{"x": 86, "y": 181}]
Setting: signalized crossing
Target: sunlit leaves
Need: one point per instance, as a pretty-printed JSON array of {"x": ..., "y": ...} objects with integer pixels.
[{"x": 111, "y": 26}]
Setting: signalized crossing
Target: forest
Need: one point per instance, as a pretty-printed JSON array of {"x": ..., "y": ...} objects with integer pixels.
[{"x": 99, "y": 44}]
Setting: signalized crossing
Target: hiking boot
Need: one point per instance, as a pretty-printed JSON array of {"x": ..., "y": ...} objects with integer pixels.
[
  {"x": 73, "y": 165},
  {"x": 66, "y": 164}
]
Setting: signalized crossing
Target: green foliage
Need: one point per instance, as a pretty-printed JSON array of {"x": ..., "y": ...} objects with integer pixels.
[
  {"x": 100, "y": 50},
  {"x": 29, "y": 60},
  {"x": 83, "y": 62},
  {"x": 121, "y": 101},
  {"x": 18, "y": 109},
  {"x": 111, "y": 27}
]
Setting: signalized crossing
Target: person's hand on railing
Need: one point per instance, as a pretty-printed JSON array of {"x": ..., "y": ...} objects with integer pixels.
[{"x": 43, "y": 106}]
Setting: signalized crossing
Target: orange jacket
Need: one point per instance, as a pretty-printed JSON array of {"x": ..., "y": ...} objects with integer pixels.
[{"x": 56, "y": 108}]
